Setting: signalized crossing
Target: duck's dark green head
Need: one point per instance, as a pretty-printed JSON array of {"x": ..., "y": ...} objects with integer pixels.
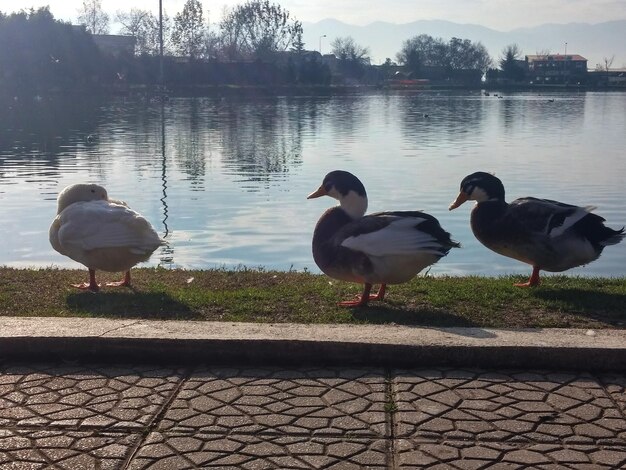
[
  {"x": 338, "y": 184},
  {"x": 479, "y": 186}
]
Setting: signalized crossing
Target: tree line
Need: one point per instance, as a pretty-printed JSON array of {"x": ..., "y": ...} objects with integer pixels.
[
  {"x": 41, "y": 52},
  {"x": 252, "y": 30},
  {"x": 258, "y": 28}
]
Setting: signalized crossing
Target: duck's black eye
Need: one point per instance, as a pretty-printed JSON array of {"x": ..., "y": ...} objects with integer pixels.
[{"x": 93, "y": 190}]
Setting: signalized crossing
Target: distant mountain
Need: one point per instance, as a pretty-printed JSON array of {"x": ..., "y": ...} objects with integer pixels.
[{"x": 592, "y": 41}]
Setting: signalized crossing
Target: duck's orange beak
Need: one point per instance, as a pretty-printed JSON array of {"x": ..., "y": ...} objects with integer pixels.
[
  {"x": 460, "y": 199},
  {"x": 319, "y": 193}
]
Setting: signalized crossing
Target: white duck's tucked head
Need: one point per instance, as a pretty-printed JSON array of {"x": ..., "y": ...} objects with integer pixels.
[
  {"x": 78, "y": 193},
  {"x": 347, "y": 189}
]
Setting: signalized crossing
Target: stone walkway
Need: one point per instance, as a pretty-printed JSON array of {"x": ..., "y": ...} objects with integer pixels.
[{"x": 84, "y": 416}]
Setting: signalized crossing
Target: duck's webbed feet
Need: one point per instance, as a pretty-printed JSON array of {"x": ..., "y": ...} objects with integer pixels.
[
  {"x": 365, "y": 297},
  {"x": 380, "y": 295},
  {"x": 123, "y": 283},
  {"x": 92, "y": 285},
  {"x": 532, "y": 281}
]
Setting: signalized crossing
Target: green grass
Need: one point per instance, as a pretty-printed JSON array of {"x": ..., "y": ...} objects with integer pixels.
[{"x": 266, "y": 296}]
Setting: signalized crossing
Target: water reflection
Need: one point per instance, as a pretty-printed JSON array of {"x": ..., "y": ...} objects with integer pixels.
[
  {"x": 44, "y": 126},
  {"x": 166, "y": 255},
  {"x": 164, "y": 172},
  {"x": 429, "y": 118},
  {"x": 225, "y": 179},
  {"x": 546, "y": 115},
  {"x": 260, "y": 138}
]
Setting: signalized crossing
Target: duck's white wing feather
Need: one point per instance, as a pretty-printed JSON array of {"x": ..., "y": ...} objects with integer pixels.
[
  {"x": 100, "y": 224},
  {"x": 399, "y": 236}
]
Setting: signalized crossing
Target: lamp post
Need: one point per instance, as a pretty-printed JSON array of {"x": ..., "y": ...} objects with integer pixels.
[
  {"x": 565, "y": 67},
  {"x": 161, "y": 77},
  {"x": 322, "y": 36}
]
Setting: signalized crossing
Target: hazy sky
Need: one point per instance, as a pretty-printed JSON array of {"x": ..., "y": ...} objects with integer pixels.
[{"x": 501, "y": 15}]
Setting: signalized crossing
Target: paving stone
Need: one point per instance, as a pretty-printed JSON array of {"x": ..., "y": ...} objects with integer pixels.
[
  {"x": 75, "y": 417},
  {"x": 303, "y": 401},
  {"x": 616, "y": 386},
  {"x": 525, "y": 457},
  {"x": 552, "y": 407},
  {"x": 464, "y": 455},
  {"x": 86, "y": 397},
  {"x": 259, "y": 452},
  {"x": 65, "y": 450},
  {"x": 615, "y": 458}
]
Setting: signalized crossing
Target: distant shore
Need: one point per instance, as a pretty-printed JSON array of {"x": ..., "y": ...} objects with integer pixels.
[{"x": 288, "y": 90}]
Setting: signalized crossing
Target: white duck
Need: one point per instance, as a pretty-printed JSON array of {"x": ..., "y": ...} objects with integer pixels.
[
  {"x": 100, "y": 233},
  {"x": 381, "y": 248}
]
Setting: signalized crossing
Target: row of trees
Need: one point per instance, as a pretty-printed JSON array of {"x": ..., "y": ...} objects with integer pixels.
[
  {"x": 257, "y": 29},
  {"x": 253, "y": 30},
  {"x": 42, "y": 55},
  {"x": 40, "y": 51}
]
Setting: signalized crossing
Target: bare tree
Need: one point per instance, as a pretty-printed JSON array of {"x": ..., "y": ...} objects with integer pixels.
[
  {"x": 353, "y": 58},
  {"x": 93, "y": 17},
  {"x": 544, "y": 51},
  {"x": 212, "y": 44},
  {"x": 135, "y": 23},
  {"x": 347, "y": 49},
  {"x": 189, "y": 30},
  {"x": 608, "y": 62},
  {"x": 258, "y": 29},
  {"x": 143, "y": 25}
]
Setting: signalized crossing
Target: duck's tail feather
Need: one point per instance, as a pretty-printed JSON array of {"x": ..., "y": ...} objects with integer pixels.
[{"x": 613, "y": 237}]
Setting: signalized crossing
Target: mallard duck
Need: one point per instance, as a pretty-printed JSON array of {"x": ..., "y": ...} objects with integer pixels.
[
  {"x": 381, "y": 248},
  {"x": 100, "y": 233},
  {"x": 548, "y": 235}
]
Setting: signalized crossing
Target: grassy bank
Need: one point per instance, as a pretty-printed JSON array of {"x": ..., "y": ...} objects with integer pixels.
[{"x": 266, "y": 296}]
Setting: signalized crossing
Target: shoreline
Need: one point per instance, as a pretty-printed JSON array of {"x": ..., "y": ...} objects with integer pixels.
[{"x": 174, "y": 91}]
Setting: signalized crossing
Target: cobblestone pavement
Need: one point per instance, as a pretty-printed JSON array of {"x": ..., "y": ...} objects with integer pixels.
[{"x": 75, "y": 416}]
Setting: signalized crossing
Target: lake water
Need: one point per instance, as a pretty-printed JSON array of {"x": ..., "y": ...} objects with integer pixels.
[{"x": 225, "y": 180}]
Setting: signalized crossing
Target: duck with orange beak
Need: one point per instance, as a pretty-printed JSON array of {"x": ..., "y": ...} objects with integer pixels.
[{"x": 381, "y": 248}]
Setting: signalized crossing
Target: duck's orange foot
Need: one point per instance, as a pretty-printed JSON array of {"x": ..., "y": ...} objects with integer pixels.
[
  {"x": 365, "y": 297},
  {"x": 533, "y": 281},
  {"x": 123, "y": 283},
  {"x": 526, "y": 284},
  {"x": 360, "y": 302},
  {"x": 380, "y": 295},
  {"x": 92, "y": 285},
  {"x": 118, "y": 284},
  {"x": 87, "y": 286}
]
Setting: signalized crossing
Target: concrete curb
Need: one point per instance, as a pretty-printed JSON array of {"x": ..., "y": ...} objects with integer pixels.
[{"x": 35, "y": 338}]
